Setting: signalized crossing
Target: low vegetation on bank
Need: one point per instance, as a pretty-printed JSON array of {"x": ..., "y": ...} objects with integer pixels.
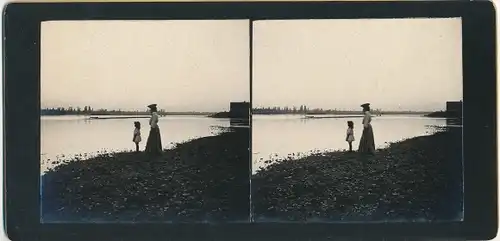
[
  {"x": 205, "y": 179},
  {"x": 416, "y": 179}
]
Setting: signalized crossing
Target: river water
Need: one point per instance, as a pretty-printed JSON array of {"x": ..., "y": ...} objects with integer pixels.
[
  {"x": 66, "y": 136},
  {"x": 272, "y": 135},
  {"x": 278, "y": 136}
]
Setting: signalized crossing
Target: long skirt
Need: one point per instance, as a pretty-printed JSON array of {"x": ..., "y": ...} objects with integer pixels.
[
  {"x": 153, "y": 145},
  {"x": 367, "y": 141}
]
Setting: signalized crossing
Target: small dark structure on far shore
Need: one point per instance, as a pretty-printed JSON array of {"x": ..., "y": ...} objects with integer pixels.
[
  {"x": 454, "y": 113},
  {"x": 239, "y": 110},
  {"x": 454, "y": 108},
  {"x": 239, "y": 113}
]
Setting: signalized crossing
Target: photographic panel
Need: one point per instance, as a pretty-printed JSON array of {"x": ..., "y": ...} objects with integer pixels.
[
  {"x": 357, "y": 120},
  {"x": 145, "y": 121}
]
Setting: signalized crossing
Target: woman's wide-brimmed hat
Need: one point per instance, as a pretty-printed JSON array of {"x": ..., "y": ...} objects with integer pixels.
[
  {"x": 365, "y": 105},
  {"x": 152, "y": 106}
]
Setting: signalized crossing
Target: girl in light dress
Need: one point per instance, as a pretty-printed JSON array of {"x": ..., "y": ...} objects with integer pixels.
[
  {"x": 350, "y": 134},
  {"x": 137, "y": 135}
]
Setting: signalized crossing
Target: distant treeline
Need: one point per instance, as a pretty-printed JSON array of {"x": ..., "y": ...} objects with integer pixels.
[
  {"x": 87, "y": 110},
  {"x": 305, "y": 110}
]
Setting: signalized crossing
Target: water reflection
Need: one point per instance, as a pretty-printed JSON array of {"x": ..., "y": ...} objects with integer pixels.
[
  {"x": 66, "y": 136},
  {"x": 239, "y": 122},
  {"x": 454, "y": 122},
  {"x": 280, "y": 136}
]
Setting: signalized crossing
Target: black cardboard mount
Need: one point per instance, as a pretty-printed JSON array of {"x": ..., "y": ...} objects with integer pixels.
[{"x": 22, "y": 109}]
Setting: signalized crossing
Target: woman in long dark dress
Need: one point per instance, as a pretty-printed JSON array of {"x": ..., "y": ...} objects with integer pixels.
[
  {"x": 367, "y": 141},
  {"x": 153, "y": 145}
]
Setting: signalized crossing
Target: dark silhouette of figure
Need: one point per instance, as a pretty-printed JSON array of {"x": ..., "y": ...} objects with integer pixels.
[
  {"x": 153, "y": 145},
  {"x": 367, "y": 141}
]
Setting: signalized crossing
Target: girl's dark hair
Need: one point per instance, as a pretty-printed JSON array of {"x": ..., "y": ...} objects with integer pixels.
[
  {"x": 154, "y": 109},
  {"x": 137, "y": 124},
  {"x": 366, "y": 108},
  {"x": 350, "y": 123}
]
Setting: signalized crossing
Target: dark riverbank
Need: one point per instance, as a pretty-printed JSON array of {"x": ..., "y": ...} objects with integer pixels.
[
  {"x": 117, "y": 117},
  {"x": 332, "y": 117},
  {"x": 416, "y": 179},
  {"x": 204, "y": 179},
  {"x": 224, "y": 114},
  {"x": 444, "y": 114},
  {"x": 103, "y": 112},
  {"x": 355, "y": 113}
]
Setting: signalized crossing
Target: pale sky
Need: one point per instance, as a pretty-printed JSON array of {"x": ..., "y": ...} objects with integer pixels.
[
  {"x": 411, "y": 64},
  {"x": 181, "y": 65}
]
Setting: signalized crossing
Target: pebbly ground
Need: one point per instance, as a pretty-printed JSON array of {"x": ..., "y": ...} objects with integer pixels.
[
  {"x": 418, "y": 179},
  {"x": 202, "y": 180},
  {"x": 207, "y": 180}
]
